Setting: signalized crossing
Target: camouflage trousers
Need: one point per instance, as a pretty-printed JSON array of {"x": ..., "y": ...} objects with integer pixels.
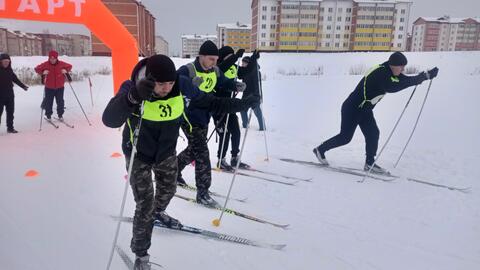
[
  {"x": 148, "y": 201},
  {"x": 197, "y": 150}
]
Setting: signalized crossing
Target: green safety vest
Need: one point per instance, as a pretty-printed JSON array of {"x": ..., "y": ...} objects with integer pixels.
[
  {"x": 231, "y": 73},
  {"x": 376, "y": 99},
  {"x": 161, "y": 111},
  {"x": 209, "y": 79}
]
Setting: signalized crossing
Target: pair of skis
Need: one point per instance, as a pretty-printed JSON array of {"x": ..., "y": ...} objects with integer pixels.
[
  {"x": 211, "y": 235},
  {"x": 236, "y": 213},
  {"x": 382, "y": 177},
  {"x": 245, "y": 172},
  {"x": 51, "y": 122}
]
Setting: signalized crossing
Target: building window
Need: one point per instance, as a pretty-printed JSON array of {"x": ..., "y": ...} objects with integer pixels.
[
  {"x": 327, "y": 44},
  {"x": 273, "y": 8},
  {"x": 339, "y": 19},
  {"x": 349, "y": 10},
  {"x": 337, "y": 36},
  {"x": 402, "y": 19},
  {"x": 399, "y": 45},
  {"x": 347, "y": 27},
  {"x": 400, "y": 28},
  {"x": 264, "y": 26},
  {"x": 272, "y": 44},
  {"x": 263, "y": 44},
  {"x": 329, "y": 18},
  {"x": 338, "y": 27},
  {"x": 264, "y": 17},
  {"x": 402, "y": 11},
  {"x": 329, "y": 27},
  {"x": 347, "y": 19},
  {"x": 264, "y": 8},
  {"x": 272, "y": 35},
  {"x": 400, "y": 36},
  {"x": 272, "y": 26},
  {"x": 264, "y": 35},
  {"x": 327, "y": 36},
  {"x": 337, "y": 45},
  {"x": 330, "y": 9},
  {"x": 274, "y": 17}
]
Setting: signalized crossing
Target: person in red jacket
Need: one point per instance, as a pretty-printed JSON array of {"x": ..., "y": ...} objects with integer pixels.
[{"x": 53, "y": 74}]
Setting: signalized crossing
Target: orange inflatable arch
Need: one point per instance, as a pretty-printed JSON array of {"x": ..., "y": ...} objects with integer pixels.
[{"x": 91, "y": 13}]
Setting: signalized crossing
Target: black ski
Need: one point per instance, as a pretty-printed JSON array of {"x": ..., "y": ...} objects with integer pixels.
[
  {"x": 464, "y": 190},
  {"x": 63, "y": 122},
  {"x": 192, "y": 188},
  {"x": 213, "y": 235},
  {"x": 338, "y": 169},
  {"x": 236, "y": 213},
  {"x": 277, "y": 174},
  {"x": 51, "y": 122},
  {"x": 258, "y": 177}
]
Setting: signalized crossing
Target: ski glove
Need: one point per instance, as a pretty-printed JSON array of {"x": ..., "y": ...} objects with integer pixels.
[
  {"x": 432, "y": 73},
  {"x": 239, "y": 53},
  {"x": 240, "y": 86},
  {"x": 255, "y": 55},
  {"x": 197, "y": 81},
  {"x": 69, "y": 78},
  {"x": 25, "y": 88},
  {"x": 143, "y": 90}
]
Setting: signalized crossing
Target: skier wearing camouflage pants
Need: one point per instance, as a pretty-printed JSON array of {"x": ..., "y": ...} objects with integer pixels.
[
  {"x": 164, "y": 96},
  {"x": 205, "y": 74}
]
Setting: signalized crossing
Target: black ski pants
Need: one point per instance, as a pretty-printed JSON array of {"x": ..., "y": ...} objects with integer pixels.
[
  {"x": 352, "y": 116},
  {"x": 233, "y": 133}
]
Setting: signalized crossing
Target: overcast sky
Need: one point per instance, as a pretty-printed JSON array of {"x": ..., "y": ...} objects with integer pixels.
[{"x": 177, "y": 17}]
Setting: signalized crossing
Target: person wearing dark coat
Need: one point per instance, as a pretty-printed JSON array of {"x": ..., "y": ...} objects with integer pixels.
[
  {"x": 7, "y": 96},
  {"x": 357, "y": 109},
  {"x": 227, "y": 64},
  {"x": 254, "y": 87},
  {"x": 165, "y": 96}
]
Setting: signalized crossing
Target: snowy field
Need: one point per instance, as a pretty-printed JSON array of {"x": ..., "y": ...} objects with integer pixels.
[{"x": 61, "y": 218}]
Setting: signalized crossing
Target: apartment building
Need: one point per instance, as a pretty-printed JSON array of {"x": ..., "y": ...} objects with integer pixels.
[
  {"x": 138, "y": 21},
  {"x": 446, "y": 34},
  {"x": 330, "y": 25},
  {"x": 191, "y": 44},
  {"x": 235, "y": 35}
]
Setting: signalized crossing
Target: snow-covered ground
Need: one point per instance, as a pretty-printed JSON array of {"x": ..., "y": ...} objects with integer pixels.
[{"x": 61, "y": 219}]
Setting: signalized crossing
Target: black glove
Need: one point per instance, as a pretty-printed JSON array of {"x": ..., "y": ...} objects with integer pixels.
[
  {"x": 143, "y": 90},
  {"x": 69, "y": 78},
  {"x": 25, "y": 88},
  {"x": 255, "y": 55},
  {"x": 241, "y": 86},
  {"x": 432, "y": 73},
  {"x": 239, "y": 53}
]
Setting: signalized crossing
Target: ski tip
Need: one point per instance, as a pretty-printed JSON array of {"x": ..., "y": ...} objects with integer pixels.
[{"x": 279, "y": 247}]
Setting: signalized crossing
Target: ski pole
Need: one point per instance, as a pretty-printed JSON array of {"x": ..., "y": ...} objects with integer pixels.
[
  {"x": 91, "y": 94},
  {"x": 261, "y": 110},
  {"x": 216, "y": 222},
  {"x": 125, "y": 190},
  {"x": 75, "y": 94},
  {"x": 41, "y": 111},
  {"x": 390, "y": 136},
  {"x": 415, "y": 126}
]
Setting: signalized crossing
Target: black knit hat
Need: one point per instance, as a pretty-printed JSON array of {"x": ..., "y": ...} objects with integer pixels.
[
  {"x": 4, "y": 56},
  {"x": 224, "y": 51},
  {"x": 208, "y": 48},
  {"x": 397, "y": 59},
  {"x": 161, "y": 68}
]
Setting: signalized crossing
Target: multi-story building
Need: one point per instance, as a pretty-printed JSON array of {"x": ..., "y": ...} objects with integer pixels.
[
  {"x": 138, "y": 21},
  {"x": 82, "y": 45},
  {"x": 446, "y": 34},
  {"x": 191, "y": 44},
  {"x": 330, "y": 25},
  {"x": 235, "y": 35},
  {"x": 19, "y": 44},
  {"x": 161, "y": 45},
  {"x": 60, "y": 43}
]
